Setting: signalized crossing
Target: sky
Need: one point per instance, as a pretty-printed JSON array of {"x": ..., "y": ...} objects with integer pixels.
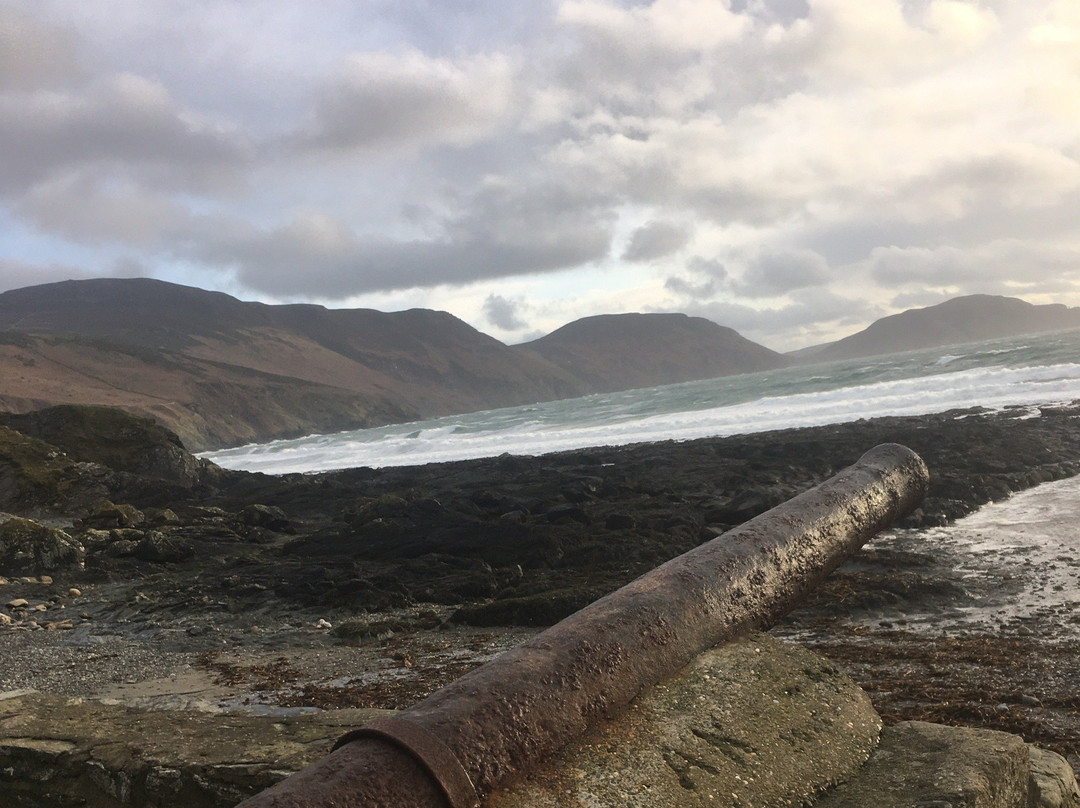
[{"x": 793, "y": 169}]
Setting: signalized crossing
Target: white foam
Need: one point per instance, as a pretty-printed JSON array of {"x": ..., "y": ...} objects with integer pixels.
[{"x": 615, "y": 420}]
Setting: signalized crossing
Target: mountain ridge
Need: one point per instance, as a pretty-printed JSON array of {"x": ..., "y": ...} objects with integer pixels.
[
  {"x": 220, "y": 371},
  {"x": 968, "y": 318},
  {"x": 606, "y": 349}
]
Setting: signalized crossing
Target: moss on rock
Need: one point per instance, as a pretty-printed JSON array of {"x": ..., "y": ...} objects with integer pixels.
[
  {"x": 112, "y": 438},
  {"x": 27, "y": 547},
  {"x": 32, "y": 472}
]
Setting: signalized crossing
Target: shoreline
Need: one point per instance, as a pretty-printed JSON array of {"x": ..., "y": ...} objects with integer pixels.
[{"x": 419, "y": 573}]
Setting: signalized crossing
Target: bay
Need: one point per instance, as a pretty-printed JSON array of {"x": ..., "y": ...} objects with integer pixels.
[{"x": 1022, "y": 371}]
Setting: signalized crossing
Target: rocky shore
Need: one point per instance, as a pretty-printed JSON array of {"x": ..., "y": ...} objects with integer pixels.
[{"x": 136, "y": 574}]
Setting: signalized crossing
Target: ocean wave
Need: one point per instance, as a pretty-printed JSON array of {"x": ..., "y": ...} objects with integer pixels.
[{"x": 570, "y": 426}]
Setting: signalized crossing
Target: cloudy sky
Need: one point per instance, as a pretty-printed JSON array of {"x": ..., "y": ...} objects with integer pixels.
[{"x": 790, "y": 168}]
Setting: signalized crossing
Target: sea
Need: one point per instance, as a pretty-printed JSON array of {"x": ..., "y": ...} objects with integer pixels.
[{"x": 1019, "y": 371}]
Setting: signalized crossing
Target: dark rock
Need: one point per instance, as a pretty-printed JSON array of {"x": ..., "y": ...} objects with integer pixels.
[
  {"x": 620, "y": 521},
  {"x": 161, "y": 516},
  {"x": 115, "y": 439},
  {"x": 267, "y": 516},
  {"x": 106, "y": 514},
  {"x": 27, "y": 547},
  {"x": 259, "y": 535},
  {"x": 126, "y": 534},
  {"x": 564, "y": 513},
  {"x": 158, "y": 546},
  {"x": 121, "y": 549},
  {"x": 36, "y": 476},
  {"x": 542, "y": 609}
]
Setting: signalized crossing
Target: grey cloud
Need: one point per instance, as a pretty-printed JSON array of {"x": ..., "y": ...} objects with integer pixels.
[
  {"x": 712, "y": 272},
  {"x": 283, "y": 264},
  {"x": 774, "y": 272},
  {"x": 981, "y": 268},
  {"x": 503, "y": 313},
  {"x": 815, "y": 317},
  {"x": 15, "y": 274},
  {"x": 689, "y": 289},
  {"x": 520, "y": 149},
  {"x": 126, "y": 122},
  {"x": 401, "y": 100},
  {"x": 80, "y": 206},
  {"x": 501, "y": 234},
  {"x": 1009, "y": 176},
  {"x": 33, "y": 55},
  {"x": 129, "y": 267},
  {"x": 656, "y": 239},
  {"x": 938, "y": 266}
]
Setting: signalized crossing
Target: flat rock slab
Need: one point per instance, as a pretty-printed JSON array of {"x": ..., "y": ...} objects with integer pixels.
[
  {"x": 920, "y": 765},
  {"x": 752, "y": 723},
  {"x": 57, "y": 752}
]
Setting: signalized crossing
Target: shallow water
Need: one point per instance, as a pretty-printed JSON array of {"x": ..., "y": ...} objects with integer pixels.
[{"x": 1017, "y": 560}]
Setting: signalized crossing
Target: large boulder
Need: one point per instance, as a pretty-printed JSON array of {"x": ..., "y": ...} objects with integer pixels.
[
  {"x": 30, "y": 548},
  {"x": 755, "y": 722},
  {"x": 931, "y": 765},
  {"x": 115, "y": 439}
]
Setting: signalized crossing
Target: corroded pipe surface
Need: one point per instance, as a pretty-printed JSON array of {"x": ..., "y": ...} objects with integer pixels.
[{"x": 502, "y": 717}]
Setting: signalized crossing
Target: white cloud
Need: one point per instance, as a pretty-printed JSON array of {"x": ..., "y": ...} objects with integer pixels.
[
  {"x": 847, "y": 152},
  {"x": 686, "y": 26}
]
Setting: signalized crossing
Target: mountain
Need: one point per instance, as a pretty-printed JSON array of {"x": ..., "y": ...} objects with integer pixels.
[
  {"x": 962, "y": 319},
  {"x": 612, "y": 352},
  {"x": 220, "y": 371}
]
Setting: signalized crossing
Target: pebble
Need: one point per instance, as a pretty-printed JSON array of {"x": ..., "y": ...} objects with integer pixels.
[
  {"x": 5, "y": 620},
  {"x": 46, "y": 579},
  {"x": 74, "y": 593},
  {"x": 323, "y": 624},
  {"x": 18, "y": 603}
]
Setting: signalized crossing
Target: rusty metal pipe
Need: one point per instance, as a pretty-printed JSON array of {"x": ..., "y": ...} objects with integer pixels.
[{"x": 451, "y": 749}]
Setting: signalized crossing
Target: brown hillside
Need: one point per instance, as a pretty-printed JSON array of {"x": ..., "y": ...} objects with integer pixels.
[
  {"x": 219, "y": 371},
  {"x": 623, "y": 351}
]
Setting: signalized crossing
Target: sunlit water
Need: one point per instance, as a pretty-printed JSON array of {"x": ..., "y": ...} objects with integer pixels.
[
  {"x": 1041, "y": 369},
  {"x": 1015, "y": 563}
]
